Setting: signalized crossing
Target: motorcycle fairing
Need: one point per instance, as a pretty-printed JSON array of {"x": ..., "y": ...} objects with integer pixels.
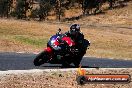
[
  {"x": 69, "y": 41},
  {"x": 48, "y": 49},
  {"x": 52, "y": 42}
]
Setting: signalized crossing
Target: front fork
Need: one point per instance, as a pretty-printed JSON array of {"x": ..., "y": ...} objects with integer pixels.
[{"x": 49, "y": 51}]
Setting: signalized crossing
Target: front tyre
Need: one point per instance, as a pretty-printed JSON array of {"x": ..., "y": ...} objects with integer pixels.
[{"x": 40, "y": 59}]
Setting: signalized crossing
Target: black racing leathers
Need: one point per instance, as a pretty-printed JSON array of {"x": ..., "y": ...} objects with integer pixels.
[{"x": 81, "y": 43}]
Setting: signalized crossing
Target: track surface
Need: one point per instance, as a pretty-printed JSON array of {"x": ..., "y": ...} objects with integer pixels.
[{"x": 21, "y": 61}]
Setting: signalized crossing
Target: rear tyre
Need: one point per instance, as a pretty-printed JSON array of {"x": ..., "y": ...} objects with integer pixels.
[
  {"x": 40, "y": 59},
  {"x": 65, "y": 65},
  {"x": 77, "y": 61},
  {"x": 76, "y": 64}
]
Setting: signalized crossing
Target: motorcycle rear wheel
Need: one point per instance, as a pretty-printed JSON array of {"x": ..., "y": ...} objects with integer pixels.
[
  {"x": 40, "y": 59},
  {"x": 77, "y": 62},
  {"x": 65, "y": 65}
]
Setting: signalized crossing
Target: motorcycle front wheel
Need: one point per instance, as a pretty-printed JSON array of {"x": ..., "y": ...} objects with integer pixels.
[{"x": 41, "y": 58}]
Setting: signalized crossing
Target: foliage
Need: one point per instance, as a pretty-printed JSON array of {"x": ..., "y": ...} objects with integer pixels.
[
  {"x": 25, "y": 9},
  {"x": 45, "y": 7},
  {"x": 20, "y": 9},
  {"x": 4, "y": 8}
]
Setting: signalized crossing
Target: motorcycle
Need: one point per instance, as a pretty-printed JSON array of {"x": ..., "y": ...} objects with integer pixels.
[{"x": 66, "y": 55}]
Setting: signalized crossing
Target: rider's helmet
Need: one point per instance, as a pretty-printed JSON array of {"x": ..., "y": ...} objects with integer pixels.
[{"x": 75, "y": 30}]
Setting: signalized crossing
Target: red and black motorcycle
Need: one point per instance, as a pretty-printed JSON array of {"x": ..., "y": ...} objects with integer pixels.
[{"x": 66, "y": 55}]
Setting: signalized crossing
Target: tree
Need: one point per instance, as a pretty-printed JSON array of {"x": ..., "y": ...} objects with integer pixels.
[
  {"x": 28, "y": 8},
  {"x": 5, "y": 8},
  {"x": 60, "y": 8},
  {"x": 45, "y": 7},
  {"x": 20, "y": 10}
]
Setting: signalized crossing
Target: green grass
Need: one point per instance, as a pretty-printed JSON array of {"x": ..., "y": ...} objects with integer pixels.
[{"x": 37, "y": 42}]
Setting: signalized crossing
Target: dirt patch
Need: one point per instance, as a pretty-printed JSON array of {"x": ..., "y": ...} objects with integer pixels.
[{"x": 59, "y": 79}]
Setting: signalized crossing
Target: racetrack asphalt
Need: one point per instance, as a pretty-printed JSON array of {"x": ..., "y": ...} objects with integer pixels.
[{"x": 24, "y": 61}]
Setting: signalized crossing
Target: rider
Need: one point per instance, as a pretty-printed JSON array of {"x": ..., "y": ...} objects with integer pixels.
[
  {"x": 78, "y": 37},
  {"x": 81, "y": 44},
  {"x": 75, "y": 34}
]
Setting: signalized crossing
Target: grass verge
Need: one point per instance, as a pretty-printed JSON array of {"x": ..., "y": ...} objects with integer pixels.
[{"x": 37, "y": 42}]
